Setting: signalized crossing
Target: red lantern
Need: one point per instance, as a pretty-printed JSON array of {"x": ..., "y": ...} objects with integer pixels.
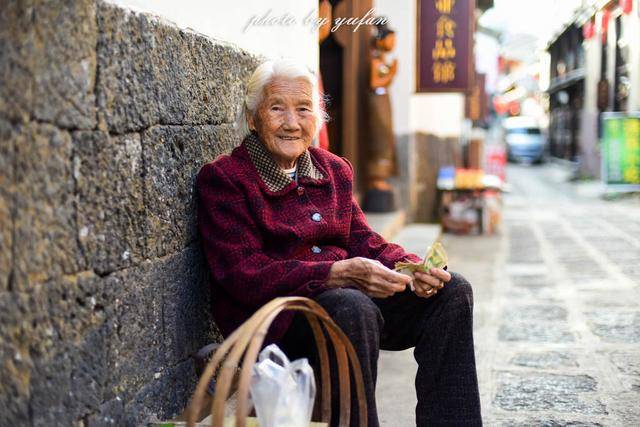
[
  {"x": 502, "y": 64},
  {"x": 626, "y": 6},
  {"x": 588, "y": 30},
  {"x": 499, "y": 105},
  {"x": 514, "y": 108},
  {"x": 604, "y": 24}
]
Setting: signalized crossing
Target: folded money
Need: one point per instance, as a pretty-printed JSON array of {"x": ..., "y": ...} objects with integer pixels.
[{"x": 436, "y": 257}]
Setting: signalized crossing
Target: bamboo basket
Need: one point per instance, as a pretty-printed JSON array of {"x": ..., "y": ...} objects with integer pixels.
[{"x": 247, "y": 341}]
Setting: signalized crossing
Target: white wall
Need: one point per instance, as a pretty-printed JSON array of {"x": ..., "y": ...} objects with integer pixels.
[
  {"x": 402, "y": 19},
  {"x": 225, "y": 20},
  {"x": 438, "y": 114},
  {"x": 487, "y": 51}
]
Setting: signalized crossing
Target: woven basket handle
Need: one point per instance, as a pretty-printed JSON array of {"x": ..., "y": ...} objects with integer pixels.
[{"x": 247, "y": 340}]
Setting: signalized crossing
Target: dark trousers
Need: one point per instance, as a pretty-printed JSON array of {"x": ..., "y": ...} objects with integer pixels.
[{"x": 439, "y": 328}]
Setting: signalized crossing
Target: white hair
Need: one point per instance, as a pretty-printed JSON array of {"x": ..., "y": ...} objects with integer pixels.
[{"x": 265, "y": 74}]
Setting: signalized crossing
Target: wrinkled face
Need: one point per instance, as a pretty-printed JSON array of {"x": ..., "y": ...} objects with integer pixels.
[{"x": 285, "y": 120}]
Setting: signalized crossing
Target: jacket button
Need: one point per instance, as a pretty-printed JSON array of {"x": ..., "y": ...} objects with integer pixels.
[
  {"x": 300, "y": 190},
  {"x": 315, "y": 249},
  {"x": 316, "y": 217}
]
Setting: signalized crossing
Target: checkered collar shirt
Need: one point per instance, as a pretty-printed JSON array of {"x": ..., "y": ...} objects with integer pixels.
[{"x": 273, "y": 176}]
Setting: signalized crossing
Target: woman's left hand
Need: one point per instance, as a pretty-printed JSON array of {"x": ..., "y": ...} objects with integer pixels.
[{"x": 427, "y": 284}]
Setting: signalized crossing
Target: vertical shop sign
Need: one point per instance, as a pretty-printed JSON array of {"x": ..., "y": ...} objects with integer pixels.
[
  {"x": 621, "y": 151},
  {"x": 445, "y": 45}
]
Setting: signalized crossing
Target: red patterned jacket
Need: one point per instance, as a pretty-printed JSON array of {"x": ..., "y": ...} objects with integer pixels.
[{"x": 265, "y": 235}]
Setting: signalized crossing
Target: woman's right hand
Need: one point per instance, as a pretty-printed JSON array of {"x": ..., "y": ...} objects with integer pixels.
[{"x": 370, "y": 276}]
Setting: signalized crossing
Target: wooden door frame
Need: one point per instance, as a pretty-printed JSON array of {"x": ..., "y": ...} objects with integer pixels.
[{"x": 355, "y": 71}]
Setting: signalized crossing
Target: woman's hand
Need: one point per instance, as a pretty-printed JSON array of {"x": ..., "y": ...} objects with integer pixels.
[
  {"x": 427, "y": 284},
  {"x": 370, "y": 276}
]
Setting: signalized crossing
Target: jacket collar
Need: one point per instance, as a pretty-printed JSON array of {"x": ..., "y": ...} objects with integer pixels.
[{"x": 271, "y": 174}]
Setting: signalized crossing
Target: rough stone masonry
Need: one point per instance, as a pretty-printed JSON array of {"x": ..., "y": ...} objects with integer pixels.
[{"x": 105, "y": 118}]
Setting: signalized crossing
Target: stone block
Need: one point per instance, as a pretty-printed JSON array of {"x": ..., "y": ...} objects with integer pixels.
[
  {"x": 545, "y": 360},
  {"x": 15, "y": 364},
  {"x": 108, "y": 172},
  {"x": 7, "y": 192},
  {"x": 154, "y": 73},
  {"x": 525, "y": 256},
  {"x": 548, "y": 392},
  {"x": 612, "y": 245},
  {"x": 615, "y": 326},
  {"x": 536, "y": 323},
  {"x": 628, "y": 364},
  {"x": 549, "y": 422},
  {"x": 632, "y": 271},
  {"x": 526, "y": 293},
  {"x": 604, "y": 298},
  {"x": 625, "y": 407},
  {"x": 69, "y": 346},
  {"x": 45, "y": 242},
  {"x": 629, "y": 256},
  {"x": 48, "y": 62},
  {"x": 110, "y": 414},
  {"x": 16, "y": 58},
  {"x": 159, "y": 315},
  {"x": 53, "y": 351},
  {"x": 67, "y": 310},
  {"x": 69, "y": 385},
  {"x": 534, "y": 282},
  {"x": 126, "y": 91},
  {"x": 173, "y": 155},
  {"x": 524, "y": 249},
  {"x": 552, "y": 332},
  {"x": 135, "y": 348},
  {"x": 186, "y": 312},
  {"x": 536, "y": 313},
  {"x": 164, "y": 397},
  {"x": 49, "y": 390}
]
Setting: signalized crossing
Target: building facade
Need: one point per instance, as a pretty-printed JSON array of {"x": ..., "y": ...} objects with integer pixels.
[{"x": 594, "y": 68}]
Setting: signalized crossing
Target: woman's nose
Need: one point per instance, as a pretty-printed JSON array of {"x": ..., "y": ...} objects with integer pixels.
[{"x": 290, "y": 121}]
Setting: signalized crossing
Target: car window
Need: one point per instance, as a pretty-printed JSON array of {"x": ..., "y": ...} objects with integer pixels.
[{"x": 524, "y": 131}]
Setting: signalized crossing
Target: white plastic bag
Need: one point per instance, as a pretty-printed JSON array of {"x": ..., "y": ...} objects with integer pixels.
[{"x": 282, "y": 392}]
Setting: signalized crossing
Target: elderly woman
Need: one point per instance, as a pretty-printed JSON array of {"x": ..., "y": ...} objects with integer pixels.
[{"x": 278, "y": 218}]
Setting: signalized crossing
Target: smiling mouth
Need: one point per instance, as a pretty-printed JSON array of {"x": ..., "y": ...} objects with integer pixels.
[{"x": 289, "y": 138}]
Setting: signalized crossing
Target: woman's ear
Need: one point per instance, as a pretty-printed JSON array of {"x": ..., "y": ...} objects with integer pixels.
[{"x": 251, "y": 123}]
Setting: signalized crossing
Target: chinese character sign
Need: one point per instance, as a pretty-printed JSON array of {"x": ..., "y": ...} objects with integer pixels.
[
  {"x": 445, "y": 45},
  {"x": 621, "y": 149}
]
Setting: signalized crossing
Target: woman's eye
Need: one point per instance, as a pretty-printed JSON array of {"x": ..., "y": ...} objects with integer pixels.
[
  {"x": 276, "y": 108},
  {"x": 304, "y": 110}
]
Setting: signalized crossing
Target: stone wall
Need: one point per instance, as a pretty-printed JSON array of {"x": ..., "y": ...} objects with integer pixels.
[{"x": 105, "y": 118}]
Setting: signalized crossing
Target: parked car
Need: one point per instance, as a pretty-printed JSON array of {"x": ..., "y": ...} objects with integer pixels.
[{"x": 524, "y": 138}]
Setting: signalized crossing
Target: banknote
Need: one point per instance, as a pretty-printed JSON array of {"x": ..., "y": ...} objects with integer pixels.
[{"x": 436, "y": 257}]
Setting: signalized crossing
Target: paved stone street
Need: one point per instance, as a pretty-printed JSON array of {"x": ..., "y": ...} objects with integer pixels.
[{"x": 557, "y": 309}]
